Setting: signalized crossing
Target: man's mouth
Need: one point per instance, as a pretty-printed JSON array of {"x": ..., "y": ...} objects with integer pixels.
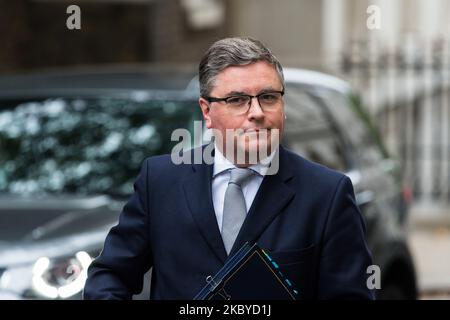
[{"x": 256, "y": 130}]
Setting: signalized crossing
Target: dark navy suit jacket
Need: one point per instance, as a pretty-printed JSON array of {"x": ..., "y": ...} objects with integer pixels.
[{"x": 305, "y": 216}]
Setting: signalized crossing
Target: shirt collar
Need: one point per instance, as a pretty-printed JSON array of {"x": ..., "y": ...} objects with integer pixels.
[{"x": 222, "y": 164}]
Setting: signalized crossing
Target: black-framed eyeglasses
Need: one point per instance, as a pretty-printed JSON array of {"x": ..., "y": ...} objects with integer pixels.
[{"x": 241, "y": 103}]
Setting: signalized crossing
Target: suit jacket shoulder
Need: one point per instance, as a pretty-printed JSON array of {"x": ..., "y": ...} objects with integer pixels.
[{"x": 308, "y": 170}]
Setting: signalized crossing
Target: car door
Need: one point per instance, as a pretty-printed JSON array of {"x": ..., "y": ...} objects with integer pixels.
[
  {"x": 313, "y": 131},
  {"x": 310, "y": 132}
]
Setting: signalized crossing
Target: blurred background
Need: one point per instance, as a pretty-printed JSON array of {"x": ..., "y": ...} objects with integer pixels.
[{"x": 394, "y": 53}]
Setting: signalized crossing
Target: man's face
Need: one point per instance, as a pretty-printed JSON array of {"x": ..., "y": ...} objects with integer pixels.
[{"x": 251, "y": 79}]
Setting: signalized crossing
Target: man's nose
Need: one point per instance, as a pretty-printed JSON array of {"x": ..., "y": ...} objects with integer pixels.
[{"x": 255, "y": 110}]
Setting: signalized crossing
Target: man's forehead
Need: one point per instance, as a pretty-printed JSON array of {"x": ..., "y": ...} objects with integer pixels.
[
  {"x": 257, "y": 66},
  {"x": 259, "y": 75}
]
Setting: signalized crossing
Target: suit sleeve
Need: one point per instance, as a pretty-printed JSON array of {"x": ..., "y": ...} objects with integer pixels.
[
  {"x": 345, "y": 255},
  {"x": 118, "y": 271}
]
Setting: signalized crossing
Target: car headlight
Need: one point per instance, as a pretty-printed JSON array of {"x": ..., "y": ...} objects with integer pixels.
[
  {"x": 60, "y": 278},
  {"x": 47, "y": 277}
]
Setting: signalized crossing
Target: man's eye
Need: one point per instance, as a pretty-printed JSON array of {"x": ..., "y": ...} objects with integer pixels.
[
  {"x": 238, "y": 100},
  {"x": 268, "y": 97}
]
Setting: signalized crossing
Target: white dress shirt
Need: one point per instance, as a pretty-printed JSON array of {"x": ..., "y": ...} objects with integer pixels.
[{"x": 221, "y": 177}]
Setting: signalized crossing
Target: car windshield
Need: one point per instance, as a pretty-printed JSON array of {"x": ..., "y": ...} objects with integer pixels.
[{"x": 84, "y": 146}]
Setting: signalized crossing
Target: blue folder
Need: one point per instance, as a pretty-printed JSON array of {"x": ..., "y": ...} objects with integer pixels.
[{"x": 250, "y": 274}]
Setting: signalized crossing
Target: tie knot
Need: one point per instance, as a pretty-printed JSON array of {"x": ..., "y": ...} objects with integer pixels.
[{"x": 239, "y": 175}]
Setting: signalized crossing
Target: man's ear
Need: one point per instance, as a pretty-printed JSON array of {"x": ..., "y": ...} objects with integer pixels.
[{"x": 204, "y": 105}]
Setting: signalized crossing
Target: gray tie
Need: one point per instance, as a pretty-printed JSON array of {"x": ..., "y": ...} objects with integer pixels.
[{"x": 234, "y": 209}]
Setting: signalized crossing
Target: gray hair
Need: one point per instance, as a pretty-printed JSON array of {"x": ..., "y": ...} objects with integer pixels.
[{"x": 233, "y": 52}]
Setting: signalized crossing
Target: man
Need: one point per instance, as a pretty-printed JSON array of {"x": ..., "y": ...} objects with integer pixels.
[{"x": 185, "y": 220}]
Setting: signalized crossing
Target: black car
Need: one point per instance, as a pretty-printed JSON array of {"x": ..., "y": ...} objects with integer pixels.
[{"x": 72, "y": 144}]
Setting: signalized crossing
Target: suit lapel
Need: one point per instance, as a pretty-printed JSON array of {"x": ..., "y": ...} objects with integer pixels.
[
  {"x": 197, "y": 190},
  {"x": 273, "y": 195}
]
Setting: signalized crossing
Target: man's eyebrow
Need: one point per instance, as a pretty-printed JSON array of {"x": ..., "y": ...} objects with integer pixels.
[
  {"x": 239, "y": 93},
  {"x": 235, "y": 93}
]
